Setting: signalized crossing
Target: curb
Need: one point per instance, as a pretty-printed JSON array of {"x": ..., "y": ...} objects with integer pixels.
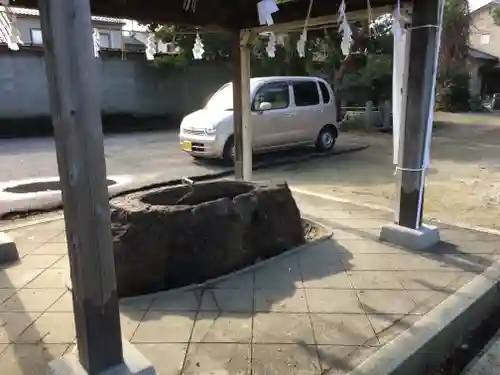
[
  {"x": 30, "y": 223},
  {"x": 205, "y": 285},
  {"x": 230, "y": 171},
  {"x": 54, "y": 205},
  {"x": 429, "y": 341}
]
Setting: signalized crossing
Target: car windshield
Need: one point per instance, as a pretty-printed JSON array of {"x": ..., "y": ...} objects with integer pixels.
[{"x": 222, "y": 99}]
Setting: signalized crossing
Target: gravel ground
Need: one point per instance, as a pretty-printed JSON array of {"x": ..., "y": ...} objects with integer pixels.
[{"x": 463, "y": 182}]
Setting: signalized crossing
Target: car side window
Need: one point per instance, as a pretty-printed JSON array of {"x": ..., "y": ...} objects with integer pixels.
[
  {"x": 276, "y": 94},
  {"x": 325, "y": 92},
  {"x": 306, "y": 93}
]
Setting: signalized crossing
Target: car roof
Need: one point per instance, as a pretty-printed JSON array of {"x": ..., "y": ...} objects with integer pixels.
[{"x": 283, "y": 78}]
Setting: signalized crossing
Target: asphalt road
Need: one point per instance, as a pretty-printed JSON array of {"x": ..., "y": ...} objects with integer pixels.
[
  {"x": 148, "y": 157},
  {"x": 143, "y": 155}
]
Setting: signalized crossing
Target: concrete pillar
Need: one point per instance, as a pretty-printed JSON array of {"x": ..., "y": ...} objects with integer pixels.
[
  {"x": 8, "y": 249},
  {"x": 368, "y": 115}
]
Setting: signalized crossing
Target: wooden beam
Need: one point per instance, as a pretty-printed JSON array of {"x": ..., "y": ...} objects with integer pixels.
[
  {"x": 75, "y": 106},
  {"x": 327, "y": 21},
  {"x": 226, "y": 14}
]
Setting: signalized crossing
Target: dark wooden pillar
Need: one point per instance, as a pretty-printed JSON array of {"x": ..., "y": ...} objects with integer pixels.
[
  {"x": 75, "y": 104},
  {"x": 241, "y": 104},
  {"x": 422, "y": 67},
  {"x": 237, "y": 105}
]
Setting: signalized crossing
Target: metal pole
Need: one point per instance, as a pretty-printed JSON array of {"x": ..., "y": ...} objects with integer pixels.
[
  {"x": 75, "y": 106},
  {"x": 418, "y": 110}
]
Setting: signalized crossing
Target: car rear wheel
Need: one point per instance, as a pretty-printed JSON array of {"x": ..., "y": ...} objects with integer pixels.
[{"x": 326, "y": 138}]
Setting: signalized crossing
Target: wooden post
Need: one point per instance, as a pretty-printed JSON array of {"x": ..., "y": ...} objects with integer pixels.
[
  {"x": 75, "y": 106},
  {"x": 368, "y": 115},
  {"x": 246, "y": 109},
  {"x": 242, "y": 107},
  {"x": 418, "y": 110},
  {"x": 237, "y": 106},
  {"x": 386, "y": 115}
]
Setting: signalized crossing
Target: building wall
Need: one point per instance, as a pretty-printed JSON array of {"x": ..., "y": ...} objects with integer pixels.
[
  {"x": 485, "y": 34},
  {"x": 133, "y": 86},
  {"x": 25, "y": 24}
]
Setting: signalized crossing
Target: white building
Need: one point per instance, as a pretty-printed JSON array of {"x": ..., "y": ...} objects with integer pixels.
[{"x": 28, "y": 24}]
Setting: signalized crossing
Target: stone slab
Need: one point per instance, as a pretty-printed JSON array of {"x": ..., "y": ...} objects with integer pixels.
[
  {"x": 429, "y": 341},
  {"x": 413, "y": 239},
  {"x": 134, "y": 363},
  {"x": 8, "y": 249}
]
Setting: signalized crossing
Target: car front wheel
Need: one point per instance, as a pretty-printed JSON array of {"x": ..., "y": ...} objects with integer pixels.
[{"x": 326, "y": 138}]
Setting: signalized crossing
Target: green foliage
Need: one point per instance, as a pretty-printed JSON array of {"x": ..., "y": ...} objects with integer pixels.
[
  {"x": 453, "y": 92},
  {"x": 171, "y": 61},
  {"x": 217, "y": 45},
  {"x": 369, "y": 67},
  {"x": 495, "y": 14},
  {"x": 453, "y": 78},
  {"x": 455, "y": 36}
]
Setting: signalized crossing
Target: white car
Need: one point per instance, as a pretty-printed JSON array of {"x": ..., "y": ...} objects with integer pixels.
[{"x": 286, "y": 112}]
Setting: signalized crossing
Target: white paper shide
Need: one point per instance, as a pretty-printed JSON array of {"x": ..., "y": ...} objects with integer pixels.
[
  {"x": 198, "y": 49},
  {"x": 8, "y": 28},
  {"x": 265, "y": 9}
]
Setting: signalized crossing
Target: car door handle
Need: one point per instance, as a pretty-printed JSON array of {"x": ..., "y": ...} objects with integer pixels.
[
  {"x": 291, "y": 114},
  {"x": 319, "y": 110}
]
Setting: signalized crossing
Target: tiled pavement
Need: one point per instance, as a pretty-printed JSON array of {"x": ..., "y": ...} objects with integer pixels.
[{"x": 323, "y": 310}]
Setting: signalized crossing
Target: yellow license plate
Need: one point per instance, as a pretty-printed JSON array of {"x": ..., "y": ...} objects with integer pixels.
[{"x": 188, "y": 146}]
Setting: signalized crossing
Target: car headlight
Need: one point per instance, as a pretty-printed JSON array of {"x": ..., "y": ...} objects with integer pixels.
[{"x": 211, "y": 129}]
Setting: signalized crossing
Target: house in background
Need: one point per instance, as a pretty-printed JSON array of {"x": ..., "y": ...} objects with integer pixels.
[
  {"x": 28, "y": 24},
  {"x": 112, "y": 35},
  {"x": 484, "y": 52},
  {"x": 136, "y": 41}
]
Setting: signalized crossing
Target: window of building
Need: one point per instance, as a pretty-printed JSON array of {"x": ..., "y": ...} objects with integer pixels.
[
  {"x": 104, "y": 39},
  {"x": 276, "y": 94},
  {"x": 36, "y": 36},
  {"x": 324, "y": 92},
  {"x": 485, "y": 39},
  {"x": 306, "y": 93}
]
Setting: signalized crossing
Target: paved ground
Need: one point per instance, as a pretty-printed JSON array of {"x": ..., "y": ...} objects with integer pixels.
[
  {"x": 463, "y": 181},
  {"x": 318, "y": 311}
]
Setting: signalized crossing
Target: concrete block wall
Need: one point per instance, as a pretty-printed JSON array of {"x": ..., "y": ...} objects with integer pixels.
[{"x": 132, "y": 87}]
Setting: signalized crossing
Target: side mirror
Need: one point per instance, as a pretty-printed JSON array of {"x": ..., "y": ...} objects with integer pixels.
[{"x": 265, "y": 106}]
